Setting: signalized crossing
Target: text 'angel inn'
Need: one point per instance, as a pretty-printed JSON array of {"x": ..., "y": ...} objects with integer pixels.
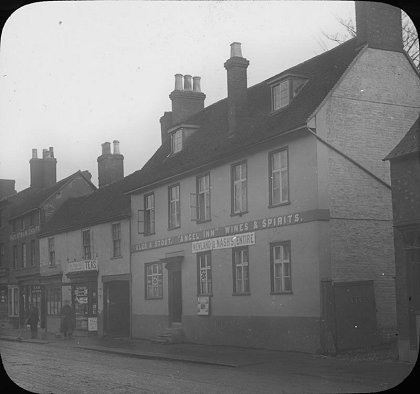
[{"x": 262, "y": 220}]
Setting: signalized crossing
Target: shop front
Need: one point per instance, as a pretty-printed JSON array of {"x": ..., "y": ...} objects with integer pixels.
[{"x": 83, "y": 277}]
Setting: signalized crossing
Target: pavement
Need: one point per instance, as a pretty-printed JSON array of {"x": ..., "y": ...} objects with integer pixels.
[{"x": 227, "y": 356}]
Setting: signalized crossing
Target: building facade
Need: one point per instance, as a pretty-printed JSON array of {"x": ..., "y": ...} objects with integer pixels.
[
  {"x": 405, "y": 180},
  {"x": 24, "y": 216},
  {"x": 265, "y": 219},
  {"x": 85, "y": 255}
]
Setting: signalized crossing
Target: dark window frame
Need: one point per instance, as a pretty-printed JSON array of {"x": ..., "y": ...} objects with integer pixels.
[
  {"x": 116, "y": 242},
  {"x": 148, "y": 230},
  {"x": 232, "y": 189},
  {"x": 197, "y": 180},
  {"x": 199, "y": 269},
  {"x": 273, "y": 245},
  {"x": 270, "y": 178},
  {"x": 234, "y": 277},
  {"x": 159, "y": 284},
  {"x": 51, "y": 251},
  {"x": 171, "y": 225}
]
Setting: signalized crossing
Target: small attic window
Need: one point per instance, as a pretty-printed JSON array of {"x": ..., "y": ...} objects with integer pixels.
[
  {"x": 283, "y": 92},
  {"x": 176, "y": 141}
]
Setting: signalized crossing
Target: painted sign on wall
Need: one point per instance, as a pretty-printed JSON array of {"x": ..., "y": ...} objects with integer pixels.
[
  {"x": 245, "y": 227},
  {"x": 24, "y": 233}
]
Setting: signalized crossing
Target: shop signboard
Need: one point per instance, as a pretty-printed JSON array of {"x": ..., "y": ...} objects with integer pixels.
[
  {"x": 203, "y": 305},
  {"x": 92, "y": 324},
  {"x": 83, "y": 265},
  {"x": 231, "y": 241}
]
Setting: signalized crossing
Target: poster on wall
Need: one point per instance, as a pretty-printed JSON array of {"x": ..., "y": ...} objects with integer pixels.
[
  {"x": 203, "y": 305},
  {"x": 92, "y": 324}
]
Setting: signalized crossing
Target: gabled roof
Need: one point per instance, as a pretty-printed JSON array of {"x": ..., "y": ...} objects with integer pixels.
[
  {"x": 409, "y": 144},
  {"x": 32, "y": 198},
  {"x": 210, "y": 142},
  {"x": 104, "y": 205}
]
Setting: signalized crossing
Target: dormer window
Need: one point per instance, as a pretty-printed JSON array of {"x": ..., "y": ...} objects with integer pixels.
[
  {"x": 176, "y": 139},
  {"x": 284, "y": 90}
]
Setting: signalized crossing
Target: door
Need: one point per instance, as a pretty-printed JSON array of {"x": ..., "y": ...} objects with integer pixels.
[
  {"x": 355, "y": 314},
  {"x": 117, "y": 308},
  {"x": 175, "y": 296}
]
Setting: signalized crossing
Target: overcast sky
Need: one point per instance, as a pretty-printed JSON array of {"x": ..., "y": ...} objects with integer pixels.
[{"x": 76, "y": 74}]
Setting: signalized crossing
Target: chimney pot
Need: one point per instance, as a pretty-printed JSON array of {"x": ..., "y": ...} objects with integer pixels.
[
  {"x": 235, "y": 49},
  {"x": 34, "y": 153},
  {"x": 51, "y": 151},
  {"x": 178, "y": 82},
  {"x": 45, "y": 153},
  {"x": 106, "y": 148},
  {"x": 187, "y": 82},
  {"x": 196, "y": 84},
  {"x": 116, "y": 147}
]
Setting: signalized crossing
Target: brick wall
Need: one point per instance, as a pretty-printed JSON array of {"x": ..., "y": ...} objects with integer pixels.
[{"x": 368, "y": 113}]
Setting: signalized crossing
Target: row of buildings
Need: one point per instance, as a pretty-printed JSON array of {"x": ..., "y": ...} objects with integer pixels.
[{"x": 264, "y": 219}]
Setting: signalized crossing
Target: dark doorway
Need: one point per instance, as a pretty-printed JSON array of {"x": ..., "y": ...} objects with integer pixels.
[
  {"x": 117, "y": 308},
  {"x": 175, "y": 296},
  {"x": 355, "y": 314}
]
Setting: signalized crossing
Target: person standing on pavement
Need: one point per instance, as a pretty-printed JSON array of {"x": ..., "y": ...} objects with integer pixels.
[
  {"x": 32, "y": 320},
  {"x": 67, "y": 320}
]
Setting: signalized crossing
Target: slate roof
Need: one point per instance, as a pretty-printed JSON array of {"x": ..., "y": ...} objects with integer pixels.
[
  {"x": 32, "y": 198},
  {"x": 210, "y": 141},
  {"x": 103, "y": 205},
  {"x": 409, "y": 144}
]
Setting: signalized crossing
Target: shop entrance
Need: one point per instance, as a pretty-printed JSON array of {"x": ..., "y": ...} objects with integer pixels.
[
  {"x": 175, "y": 296},
  {"x": 117, "y": 308}
]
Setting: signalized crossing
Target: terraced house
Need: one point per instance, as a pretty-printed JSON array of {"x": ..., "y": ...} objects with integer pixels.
[
  {"x": 85, "y": 254},
  {"x": 265, "y": 219},
  {"x": 24, "y": 215}
]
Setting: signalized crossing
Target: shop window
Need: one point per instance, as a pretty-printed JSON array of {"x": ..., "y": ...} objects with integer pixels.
[
  {"x": 33, "y": 251},
  {"x": 23, "y": 255},
  {"x": 174, "y": 207},
  {"x": 54, "y": 301},
  {"x": 15, "y": 256},
  {"x": 13, "y": 298},
  {"x": 204, "y": 273},
  {"x": 280, "y": 268},
  {"x": 240, "y": 271},
  {"x": 239, "y": 188},
  {"x": 86, "y": 242},
  {"x": 51, "y": 251},
  {"x": 154, "y": 280},
  {"x": 203, "y": 198},
  {"x": 1, "y": 255},
  {"x": 279, "y": 177},
  {"x": 116, "y": 239},
  {"x": 149, "y": 214}
]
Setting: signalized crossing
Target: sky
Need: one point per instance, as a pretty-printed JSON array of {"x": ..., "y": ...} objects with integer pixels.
[{"x": 76, "y": 74}]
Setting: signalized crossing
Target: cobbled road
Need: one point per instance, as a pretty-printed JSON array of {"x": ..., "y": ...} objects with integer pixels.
[{"x": 53, "y": 368}]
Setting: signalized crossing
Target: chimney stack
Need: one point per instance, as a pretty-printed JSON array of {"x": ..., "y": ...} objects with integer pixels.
[
  {"x": 43, "y": 170},
  {"x": 110, "y": 165},
  {"x": 187, "y": 98},
  {"x": 165, "y": 125},
  {"x": 236, "y": 67},
  {"x": 379, "y": 25}
]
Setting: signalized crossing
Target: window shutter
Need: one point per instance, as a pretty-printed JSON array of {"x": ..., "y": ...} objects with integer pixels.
[
  {"x": 140, "y": 221},
  {"x": 193, "y": 206}
]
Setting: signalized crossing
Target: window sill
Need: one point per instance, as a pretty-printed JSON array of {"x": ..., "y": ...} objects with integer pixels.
[
  {"x": 147, "y": 234},
  {"x": 173, "y": 228},
  {"x": 203, "y": 221},
  {"x": 239, "y": 213},
  {"x": 205, "y": 295},
  {"x": 241, "y": 294},
  {"x": 279, "y": 205},
  {"x": 116, "y": 257},
  {"x": 153, "y": 298},
  {"x": 281, "y": 293},
  {"x": 52, "y": 265}
]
